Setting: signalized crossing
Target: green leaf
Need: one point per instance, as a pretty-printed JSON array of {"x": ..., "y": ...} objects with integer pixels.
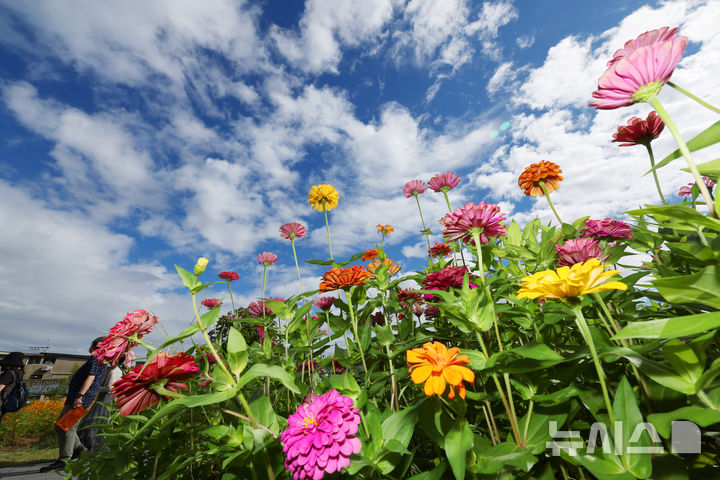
[
  {"x": 682, "y": 214},
  {"x": 434, "y": 474},
  {"x": 237, "y": 354},
  {"x": 494, "y": 459},
  {"x": 400, "y": 425},
  {"x": 603, "y": 469},
  {"x": 209, "y": 318},
  {"x": 188, "y": 279},
  {"x": 272, "y": 371},
  {"x": 514, "y": 235},
  {"x": 686, "y": 326},
  {"x": 662, "y": 374},
  {"x": 263, "y": 412},
  {"x": 702, "y": 416},
  {"x": 477, "y": 359},
  {"x": 707, "y": 137},
  {"x": 383, "y": 335},
  {"x": 684, "y": 360},
  {"x": 701, "y": 287},
  {"x": 538, "y": 430},
  {"x": 458, "y": 441},
  {"x": 627, "y": 412},
  {"x": 709, "y": 169},
  {"x": 279, "y": 309}
]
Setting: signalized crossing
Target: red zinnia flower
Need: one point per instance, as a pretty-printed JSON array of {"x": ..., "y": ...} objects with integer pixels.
[
  {"x": 337, "y": 367},
  {"x": 639, "y": 131},
  {"x": 142, "y": 387},
  {"x": 229, "y": 276},
  {"x": 324, "y": 303},
  {"x": 211, "y": 302},
  {"x": 408, "y": 298},
  {"x": 121, "y": 335},
  {"x": 377, "y": 318},
  {"x": 483, "y": 218},
  {"x": 440, "y": 249}
]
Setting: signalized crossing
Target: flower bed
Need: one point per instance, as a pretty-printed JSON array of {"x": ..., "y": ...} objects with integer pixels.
[{"x": 33, "y": 423}]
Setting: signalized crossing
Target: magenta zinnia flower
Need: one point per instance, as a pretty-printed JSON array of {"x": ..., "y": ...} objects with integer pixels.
[
  {"x": 444, "y": 182},
  {"x": 293, "y": 230},
  {"x": 324, "y": 303},
  {"x": 320, "y": 436},
  {"x": 483, "y": 219},
  {"x": 688, "y": 190},
  {"x": 440, "y": 249},
  {"x": 637, "y": 72},
  {"x": 121, "y": 336},
  {"x": 449, "y": 277},
  {"x": 211, "y": 302},
  {"x": 229, "y": 276},
  {"x": 267, "y": 258},
  {"x": 143, "y": 386},
  {"x": 639, "y": 131},
  {"x": 259, "y": 309},
  {"x": 607, "y": 229},
  {"x": 579, "y": 250},
  {"x": 414, "y": 187}
]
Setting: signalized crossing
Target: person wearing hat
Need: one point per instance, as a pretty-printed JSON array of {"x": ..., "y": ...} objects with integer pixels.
[
  {"x": 12, "y": 373},
  {"x": 82, "y": 390}
]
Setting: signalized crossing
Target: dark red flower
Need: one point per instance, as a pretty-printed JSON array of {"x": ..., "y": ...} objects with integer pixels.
[
  {"x": 432, "y": 311},
  {"x": 377, "y": 318},
  {"x": 138, "y": 389},
  {"x": 324, "y": 303},
  {"x": 306, "y": 366},
  {"x": 229, "y": 276},
  {"x": 440, "y": 249},
  {"x": 639, "y": 131},
  {"x": 408, "y": 298},
  {"x": 211, "y": 302},
  {"x": 337, "y": 367}
]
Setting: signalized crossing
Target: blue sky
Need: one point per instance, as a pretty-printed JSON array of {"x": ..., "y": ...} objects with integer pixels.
[{"x": 138, "y": 135}]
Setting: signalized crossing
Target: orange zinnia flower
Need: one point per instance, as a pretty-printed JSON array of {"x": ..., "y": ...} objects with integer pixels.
[
  {"x": 393, "y": 268},
  {"x": 546, "y": 172},
  {"x": 385, "y": 229},
  {"x": 338, "y": 278},
  {"x": 370, "y": 255},
  {"x": 435, "y": 365}
]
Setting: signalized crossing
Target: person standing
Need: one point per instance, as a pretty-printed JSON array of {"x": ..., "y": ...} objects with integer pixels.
[
  {"x": 82, "y": 390},
  {"x": 12, "y": 373},
  {"x": 90, "y": 437}
]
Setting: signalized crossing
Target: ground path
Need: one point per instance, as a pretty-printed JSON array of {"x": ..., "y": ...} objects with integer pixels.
[{"x": 30, "y": 471}]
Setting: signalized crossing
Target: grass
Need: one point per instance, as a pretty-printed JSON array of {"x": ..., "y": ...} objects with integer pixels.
[{"x": 24, "y": 452}]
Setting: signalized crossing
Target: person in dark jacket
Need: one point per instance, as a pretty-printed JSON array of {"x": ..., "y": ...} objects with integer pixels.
[
  {"x": 12, "y": 373},
  {"x": 82, "y": 390}
]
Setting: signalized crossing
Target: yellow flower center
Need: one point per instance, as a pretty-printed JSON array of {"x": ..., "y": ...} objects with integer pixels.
[{"x": 307, "y": 421}]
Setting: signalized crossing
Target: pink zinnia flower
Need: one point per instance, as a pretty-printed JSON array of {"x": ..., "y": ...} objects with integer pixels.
[
  {"x": 579, "y": 250},
  {"x": 444, "y": 182},
  {"x": 143, "y": 386},
  {"x": 121, "y": 336},
  {"x": 320, "y": 436},
  {"x": 259, "y": 309},
  {"x": 324, "y": 303},
  {"x": 292, "y": 230},
  {"x": 211, "y": 302},
  {"x": 688, "y": 190},
  {"x": 639, "y": 131},
  {"x": 637, "y": 72},
  {"x": 447, "y": 278},
  {"x": 607, "y": 229},
  {"x": 267, "y": 258},
  {"x": 414, "y": 187},
  {"x": 483, "y": 218},
  {"x": 440, "y": 249},
  {"x": 229, "y": 276}
]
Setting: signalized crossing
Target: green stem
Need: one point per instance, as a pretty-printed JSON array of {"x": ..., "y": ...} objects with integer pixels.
[
  {"x": 382, "y": 242},
  {"x": 481, "y": 268},
  {"x": 297, "y": 265},
  {"x": 327, "y": 229},
  {"x": 547, "y": 197},
  {"x": 396, "y": 400},
  {"x": 417, "y": 199},
  {"x": 612, "y": 328},
  {"x": 503, "y": 399},
  {"x": 355, "y": 331},
  {"x": 652, "y": 164},
  {"x": 447, "y": 200},
  {"x": 655, "y": 103},
  {"x": 527, "y": 421},
  {"x": 699, "y": 100},
  {"x": 232, "y": 301},
  {"x": 585, "y": 331}
]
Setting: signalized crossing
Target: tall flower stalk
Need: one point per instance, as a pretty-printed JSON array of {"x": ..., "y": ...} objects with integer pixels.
[
  {"x": 693, "y": 97},
  {"x": 291, "y": 231},
  {"x": 324, "y": 198},
  {"x": 414, "y": 188}
]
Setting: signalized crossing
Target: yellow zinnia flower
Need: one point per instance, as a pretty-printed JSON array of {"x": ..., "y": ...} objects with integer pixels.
[
  {"x": 318, "y": 193},
  {"x": 435, "y": 365},
  {"x": 580, "y": 279}
]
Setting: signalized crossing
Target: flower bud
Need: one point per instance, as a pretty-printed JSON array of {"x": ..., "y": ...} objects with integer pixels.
[{"x": 200, "y": 266}]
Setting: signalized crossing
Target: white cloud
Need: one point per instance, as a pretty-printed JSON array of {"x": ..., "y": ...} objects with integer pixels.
[
  {"x": 328, "y": 25},
  {"x": 525, "y": 41}
]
